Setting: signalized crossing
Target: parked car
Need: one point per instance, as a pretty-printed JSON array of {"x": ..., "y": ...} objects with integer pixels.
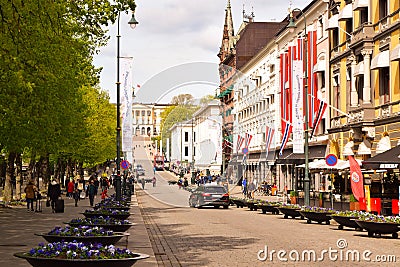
[
  {"x": 209, "y": 195},
  {"x": 140, "y": 171}
]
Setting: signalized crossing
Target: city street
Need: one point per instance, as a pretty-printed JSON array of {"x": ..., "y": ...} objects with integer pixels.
[{"x": 183, "y": 236}]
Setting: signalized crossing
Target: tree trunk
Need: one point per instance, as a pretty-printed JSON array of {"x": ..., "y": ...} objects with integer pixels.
[
  {"x": 8, "y": 187},
  {"x": 38, "y": 172},
  {"x": 18, "y": 178}
]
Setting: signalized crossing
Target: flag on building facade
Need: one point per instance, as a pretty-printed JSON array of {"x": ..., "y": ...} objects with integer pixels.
[
  {"x": 357, "y": 180},
  {"x": 239, "y": 143},
  {"x": 245, "y": 150},
  {"x": 312, "y": 77},
  {"x": 269, "y": 134},
  {"x": 322, "y": 105},
  {"x": 285, "y": 137}
]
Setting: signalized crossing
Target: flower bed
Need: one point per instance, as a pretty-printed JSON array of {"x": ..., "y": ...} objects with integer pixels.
[
  {"x": 105, "y": 222},
  {"x": 347, "y": 218},
  {"x": 317, "y": 214},
  {"x": 117, "y": 214},
  {"x": 82, "y": 233},
  {"x": 110, "y": 203},
  {"x": 290, "y": 210},
  {"x": 75, "y": 254},
  {"x": 378, "y": 225},
  {"x": 269, "y": 206}
]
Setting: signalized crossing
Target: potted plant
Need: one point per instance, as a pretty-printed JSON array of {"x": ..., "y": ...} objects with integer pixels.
[
  {"x": 269, "y": 206},
  {"x": 293, "y": 197},
  {"x": 77, "y": 254},
  {"x": 113, "y": 224},
  {"x": 354, "y": 204},
  {"x": 82, "y": 233},
  {"x": 347, "y": 218},
  {"x": 378, "y": 224},
  {"x": 317, "y": 214},
  {"x": 118, "y": 214},
  {"x": 290, "y": 210}
]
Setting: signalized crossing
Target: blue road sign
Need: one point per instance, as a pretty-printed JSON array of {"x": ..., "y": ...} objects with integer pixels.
[{"x": 331, "y": 160}]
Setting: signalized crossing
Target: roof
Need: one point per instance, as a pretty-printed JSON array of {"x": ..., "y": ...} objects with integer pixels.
[{"x": 385, "y": 160}]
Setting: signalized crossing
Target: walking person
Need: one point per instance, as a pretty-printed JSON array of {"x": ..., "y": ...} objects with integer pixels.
[
  {"x": 154, "y": 181},
  {"x": 91, "y": 192},
  {"x": 30, "y": 191},
  {"x": 76, "y": 196},
  {"x": 70, "y": 188},
  {"x": 143, "y": 183},
  {"x": 53, "y": 193},
  {"x": 244, "y": 187}
]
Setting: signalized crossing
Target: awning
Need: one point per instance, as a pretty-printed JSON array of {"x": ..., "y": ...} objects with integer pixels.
[
  {"x": 348, "y": 149},
  {"x": 386, "y": 160},
  {"x": 359, "y": 69},
  {"x": 321, "y": 165},
  {"x": 346, "y": 12},
  {"x": 314, "y": 152},
  {"x": 320, "y": 66},
  {"x": 364, "y": 148},
  {"x": 360, "y": 4},
  {"x": 381, "y": 60},
  {"x": 333, "y": 22},
  {"x": 383, "y": 145},
  {"x": 395, "y": 53}
]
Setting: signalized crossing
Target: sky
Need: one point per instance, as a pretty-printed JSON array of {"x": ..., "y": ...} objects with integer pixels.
[{"x": 173, "y": 39}]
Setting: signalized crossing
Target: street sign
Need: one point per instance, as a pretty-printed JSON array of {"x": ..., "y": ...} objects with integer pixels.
[
  {"x": 124, "y": 164},
  {"x": 331, "y": 160},
  {"x": 245, "y": 150}
]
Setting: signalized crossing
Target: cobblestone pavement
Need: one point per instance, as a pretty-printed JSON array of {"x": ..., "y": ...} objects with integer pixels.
[{"x": 234, "y": 237}]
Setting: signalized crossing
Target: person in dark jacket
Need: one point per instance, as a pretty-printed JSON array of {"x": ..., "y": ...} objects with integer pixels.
[
  {"x": 91, "y": 191},
  {"x": 53, "y": 193}
]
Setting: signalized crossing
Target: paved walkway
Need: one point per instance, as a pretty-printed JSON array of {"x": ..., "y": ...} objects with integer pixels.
[{"x": 18, "y": 226}]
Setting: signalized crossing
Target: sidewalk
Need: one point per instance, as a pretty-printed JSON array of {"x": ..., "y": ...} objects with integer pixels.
[{"x": 18, "y": 228}]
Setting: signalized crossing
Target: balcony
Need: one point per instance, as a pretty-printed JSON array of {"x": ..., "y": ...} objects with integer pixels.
[{"x": 364, "y": 33}]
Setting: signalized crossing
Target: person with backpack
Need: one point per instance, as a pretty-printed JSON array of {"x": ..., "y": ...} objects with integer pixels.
[
  {"x": 91, "y": 192},
  {"x": 30, "y": 191}
]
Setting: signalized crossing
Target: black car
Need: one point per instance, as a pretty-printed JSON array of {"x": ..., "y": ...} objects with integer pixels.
[{"x": 209, "y": 195}]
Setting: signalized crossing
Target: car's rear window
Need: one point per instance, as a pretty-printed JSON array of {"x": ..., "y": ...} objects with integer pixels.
[{"x": 215, "y": 189}]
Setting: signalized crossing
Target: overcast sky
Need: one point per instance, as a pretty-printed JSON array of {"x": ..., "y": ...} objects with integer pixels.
[{"x": 175, "y": 32}]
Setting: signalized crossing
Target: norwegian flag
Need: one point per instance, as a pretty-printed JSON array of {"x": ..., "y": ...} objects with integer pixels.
[
  {"x": 312, "y": 76},
  {"x": 285, "y": 138},
  {"x": 245, "y": 150},
  {"x": 227, "y": 144},
  {"x": 239, "y": 143},
  {"x": 322, "y": 105},
  {"x": 269, "y": 134}
]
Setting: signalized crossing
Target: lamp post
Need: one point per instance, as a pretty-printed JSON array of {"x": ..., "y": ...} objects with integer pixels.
[
  {"x": 118, "y": 189},
  {"x": 291, "y": 26}
]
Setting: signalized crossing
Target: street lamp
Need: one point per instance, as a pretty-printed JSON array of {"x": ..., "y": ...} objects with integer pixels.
[
  {"x": 292, "y": 26},
  {"x": 118, "y": 189}
]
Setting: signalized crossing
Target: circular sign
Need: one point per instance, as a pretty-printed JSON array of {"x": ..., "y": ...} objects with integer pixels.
[
  {"x": 245, "y": 150},
  {"x": 355, "y": 177},
  {"x": 331, "y": 160},
  {"x": 124, "y": 164}
]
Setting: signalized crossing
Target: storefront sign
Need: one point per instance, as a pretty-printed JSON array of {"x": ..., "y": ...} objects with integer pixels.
[{"x": 389, "y": 165}]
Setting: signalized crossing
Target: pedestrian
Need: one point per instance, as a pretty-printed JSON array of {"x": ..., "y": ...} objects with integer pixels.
[
  {"x": 91, "y": 192},
  {"x": 104, "y": 194},
  {"x": 53, "y": 193},
  {"x": 30, "y": 191},
  {"x": 185, "y": 183},
  {"x": 143, "y": 183},
  {"x": 154, "y": 181},
  {"x": 76, "y": 196},
  {"x": 244, "y": 187},
  {"x": 70, "y": 188}
]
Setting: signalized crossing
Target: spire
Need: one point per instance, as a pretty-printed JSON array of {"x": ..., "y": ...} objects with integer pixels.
[{"x": 228, "y": 33}]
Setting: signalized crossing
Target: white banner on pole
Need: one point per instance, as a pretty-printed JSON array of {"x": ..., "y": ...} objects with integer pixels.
[
  {"x": 126, "y": 102},
  {"x": 297, "y": 108}
]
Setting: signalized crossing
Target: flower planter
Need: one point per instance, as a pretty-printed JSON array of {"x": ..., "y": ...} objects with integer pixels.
[
  {"x": 318, "y": 217},
  {"x": 238, "y": 202},
  {"x": 252, "y": 205},
  {"x": 347, "y": 221},
  {"x": 112, "y": 227},
  {"x": 120, "y": 216},
  {"x": 105, "y": 240},
  {"x": 51, "y": 262},
  {"x": 112, "y": 207},
  {"x": 269, "y": 208},
  {"x": 290, "y": 212},
  {"x": 379, "y": 228}
]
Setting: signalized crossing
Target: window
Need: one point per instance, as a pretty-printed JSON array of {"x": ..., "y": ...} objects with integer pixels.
[
  {"x": 335, "y": 38},
  {"x": 194, "y": 151},
  {"x": 194, "y": 136},
  {"x": 363, "y": 15},
  {"x": 143, "y": 113},
  {"x": 336, "y": 94},
  {"x": 148, "y": 113},
  {"x": 137, "y": 113},
  {"x": 384, "y": 85},
  {"x": 349, "y": 28},
  {"x": 360, "y": 88},
  {"x": 186, "y": 136},
  {"x": 383, "y": 9},
  {"x": 186, "y": 151},
  {"x": 320, "y": 27}
]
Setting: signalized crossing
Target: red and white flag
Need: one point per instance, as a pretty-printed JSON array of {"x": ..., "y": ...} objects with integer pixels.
[
  {"x": 322, "y": 105},
  {"x": 357, "y": 179},
  {"x": 239, "y": 143},
  {"x": 269, "y": 134}
]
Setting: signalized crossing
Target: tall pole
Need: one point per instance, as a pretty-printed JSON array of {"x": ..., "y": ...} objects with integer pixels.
[
  {"x": 118, "y": 176},
  {"x": 291, "y": 27}
]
